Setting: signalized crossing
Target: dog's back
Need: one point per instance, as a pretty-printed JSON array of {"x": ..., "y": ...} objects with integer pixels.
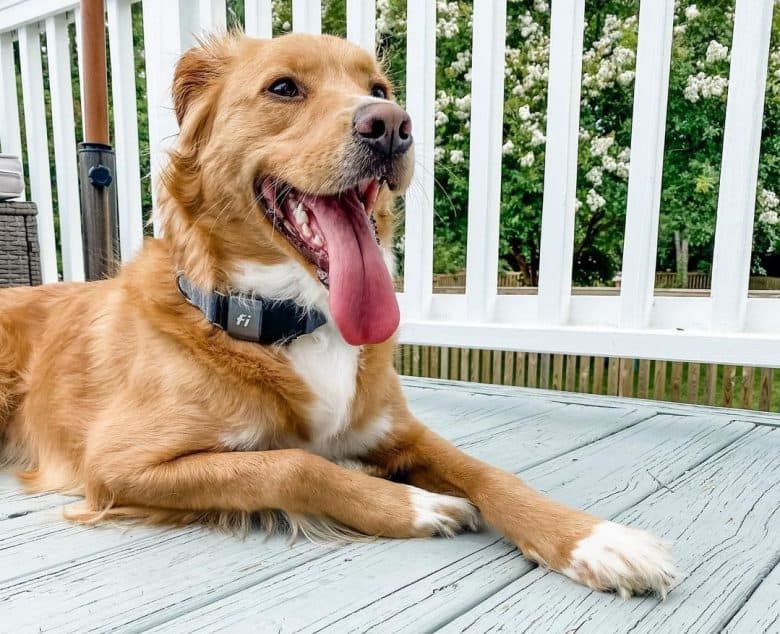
[{"x": 24, "y": 314}]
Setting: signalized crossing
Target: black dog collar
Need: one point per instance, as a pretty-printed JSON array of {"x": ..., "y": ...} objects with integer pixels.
[{"x": 252, "y": 318}]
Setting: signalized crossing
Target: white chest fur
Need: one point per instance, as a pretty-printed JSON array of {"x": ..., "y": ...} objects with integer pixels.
[
  {"x": 328, "y": 365},
  {"x": 324, "y": 361}
]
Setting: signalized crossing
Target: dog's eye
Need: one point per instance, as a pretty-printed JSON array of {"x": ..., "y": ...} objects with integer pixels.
[
  {"x": 378, "y": 91},
  {"x": 284, "y": 88}
]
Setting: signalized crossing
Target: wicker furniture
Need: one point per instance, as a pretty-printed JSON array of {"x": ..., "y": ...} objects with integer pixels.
[{"x": 20, "y": 263}]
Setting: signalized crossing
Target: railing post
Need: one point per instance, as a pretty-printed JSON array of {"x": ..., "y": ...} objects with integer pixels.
[
  {"x": 128, "y": 182},
  {"x": 38, "y": 146},
  {"x": 306, "y": 16},
  {"x": 361, "y": 23},
  {"x": 560, "y": 166},
  {"x": 654, "y": 50},
  {"x": 68, "y": 199},
  {"x": 212, "y": 15},
  {"x": 420, "y": 73},
  {"x": 258, "y": 18},
  {"x": 486, "y": 139},
  {"x": 739, "y": 169},
  {"x": 164, "y": 41}
]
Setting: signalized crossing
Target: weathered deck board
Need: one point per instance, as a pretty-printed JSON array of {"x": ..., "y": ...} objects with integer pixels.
[
  {"x": 701, "y": 476},
  {"x": 15, "y": 503},
  {"x": 719, "y": 517},
  {"x": 761, "y": 613},
  {"x": 433, "y": 584}
]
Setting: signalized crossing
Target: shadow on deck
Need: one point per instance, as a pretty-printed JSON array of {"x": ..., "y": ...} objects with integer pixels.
[{"x": 707, "y": 479}]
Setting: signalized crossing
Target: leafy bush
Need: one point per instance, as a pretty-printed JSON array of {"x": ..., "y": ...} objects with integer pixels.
[{"x": 695, "y": 119}]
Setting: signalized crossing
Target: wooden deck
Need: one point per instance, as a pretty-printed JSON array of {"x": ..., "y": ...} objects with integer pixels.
[{"x": 707, "y": 479}]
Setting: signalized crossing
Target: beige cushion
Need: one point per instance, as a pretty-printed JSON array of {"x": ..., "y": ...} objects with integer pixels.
[{"x": 11, "y": 179}]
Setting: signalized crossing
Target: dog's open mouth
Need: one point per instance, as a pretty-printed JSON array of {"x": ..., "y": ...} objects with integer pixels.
[{"x": 337, "y": 234}]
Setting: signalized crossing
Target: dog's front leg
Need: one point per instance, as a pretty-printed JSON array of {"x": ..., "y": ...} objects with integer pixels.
[
  {"x": 601, "y": 554},
  {"x": 294, "y": 481}
]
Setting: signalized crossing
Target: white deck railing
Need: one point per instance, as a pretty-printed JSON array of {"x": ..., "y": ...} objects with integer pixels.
[{"x": 729, "y": 326}]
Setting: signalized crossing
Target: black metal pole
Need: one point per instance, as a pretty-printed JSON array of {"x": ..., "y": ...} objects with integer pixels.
[{"x": 100, "y": 223}]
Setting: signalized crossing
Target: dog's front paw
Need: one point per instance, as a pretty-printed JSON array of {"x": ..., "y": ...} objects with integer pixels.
[
  {"x": 626, "y": 560},
  {"x": 437, "y": 514}
]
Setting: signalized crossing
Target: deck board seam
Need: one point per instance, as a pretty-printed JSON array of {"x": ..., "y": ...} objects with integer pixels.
[
  {"x": 771, "y": 419},
  {"x": 406, "y": 607},
  {"x": 212, "y": 598},
  {"x": 588, "y": 443},
  {"x": 775, "y": 564}
]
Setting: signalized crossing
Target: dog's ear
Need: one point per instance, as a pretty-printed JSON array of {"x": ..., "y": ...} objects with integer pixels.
[{"x": 198, "y": 71}]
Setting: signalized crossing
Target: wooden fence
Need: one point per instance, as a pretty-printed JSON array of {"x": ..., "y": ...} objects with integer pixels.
[{"x": 705, "y": 384}]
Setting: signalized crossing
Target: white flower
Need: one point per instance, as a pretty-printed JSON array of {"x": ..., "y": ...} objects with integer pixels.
[
  {"x": 768, "y": 199},
  {"x": 594, "y": 175},
  {"x": 286, "y": 26},
  {"x": 594, "y": 200},
  {"x": 438, "y": 153},
  {"x": 462, "y": 62},
  {"x": 626, "y": 77},
  {"x": 507, "y": 147},
  {"x": 541, "y": 6},
  {"x": 524, "y": 113},
  {"x": 600, "y": 145},
  {"x": 441, "y": 118},
  {"x": 456, "y": 156},
  {"x": 680, "y": 29},
  {"x": 623, "y": 55},
  {"x": 716, "y": 52},
  {"x": 462, "y": 106},
  {"x": 609, "y": 163},
  {"x": 701, "y": 85},
  {"x": 527, "y": 159},
  {"x": 692, "y": 12},
  {"x": 769, "y": 217},
  {"x": 537, "y": 138}
]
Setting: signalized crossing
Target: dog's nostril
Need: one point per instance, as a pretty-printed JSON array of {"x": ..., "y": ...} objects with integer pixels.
[
  {"x": 377, "y": 129},
  {"x": 405, "y": 129}
]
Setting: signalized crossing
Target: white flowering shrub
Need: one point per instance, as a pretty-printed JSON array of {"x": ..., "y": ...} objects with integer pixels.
[
  {"x": 608, "y": 75},
  {"x": 698, "y": 90}
]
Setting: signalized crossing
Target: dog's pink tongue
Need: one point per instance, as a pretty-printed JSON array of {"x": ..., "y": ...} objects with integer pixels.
[{"x": 362, "y": 298}]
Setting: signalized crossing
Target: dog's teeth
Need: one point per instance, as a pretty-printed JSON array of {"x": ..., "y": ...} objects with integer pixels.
[
  {"x": 306, "y": 230},
  {"x": 317, "y": 241},
  {"x": 300, "y": 215}
]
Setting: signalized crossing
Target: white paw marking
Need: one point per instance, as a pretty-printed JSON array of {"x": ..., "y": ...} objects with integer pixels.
[
  {"x": 627, "y": 560},
  {"x": 437, "y": 514}
]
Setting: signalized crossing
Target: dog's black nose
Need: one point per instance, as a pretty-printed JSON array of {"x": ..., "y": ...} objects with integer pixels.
[{"x": 384, "y": 127}]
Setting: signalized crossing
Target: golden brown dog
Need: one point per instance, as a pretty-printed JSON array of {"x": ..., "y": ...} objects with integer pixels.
[{"x": 280, "y": 187}]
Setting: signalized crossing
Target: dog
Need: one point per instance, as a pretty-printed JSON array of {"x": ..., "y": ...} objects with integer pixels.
[{"x": 243, "y": 355}]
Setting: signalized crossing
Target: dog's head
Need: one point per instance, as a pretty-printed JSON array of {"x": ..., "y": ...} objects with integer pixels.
[{"x": 290, "y": 151}]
